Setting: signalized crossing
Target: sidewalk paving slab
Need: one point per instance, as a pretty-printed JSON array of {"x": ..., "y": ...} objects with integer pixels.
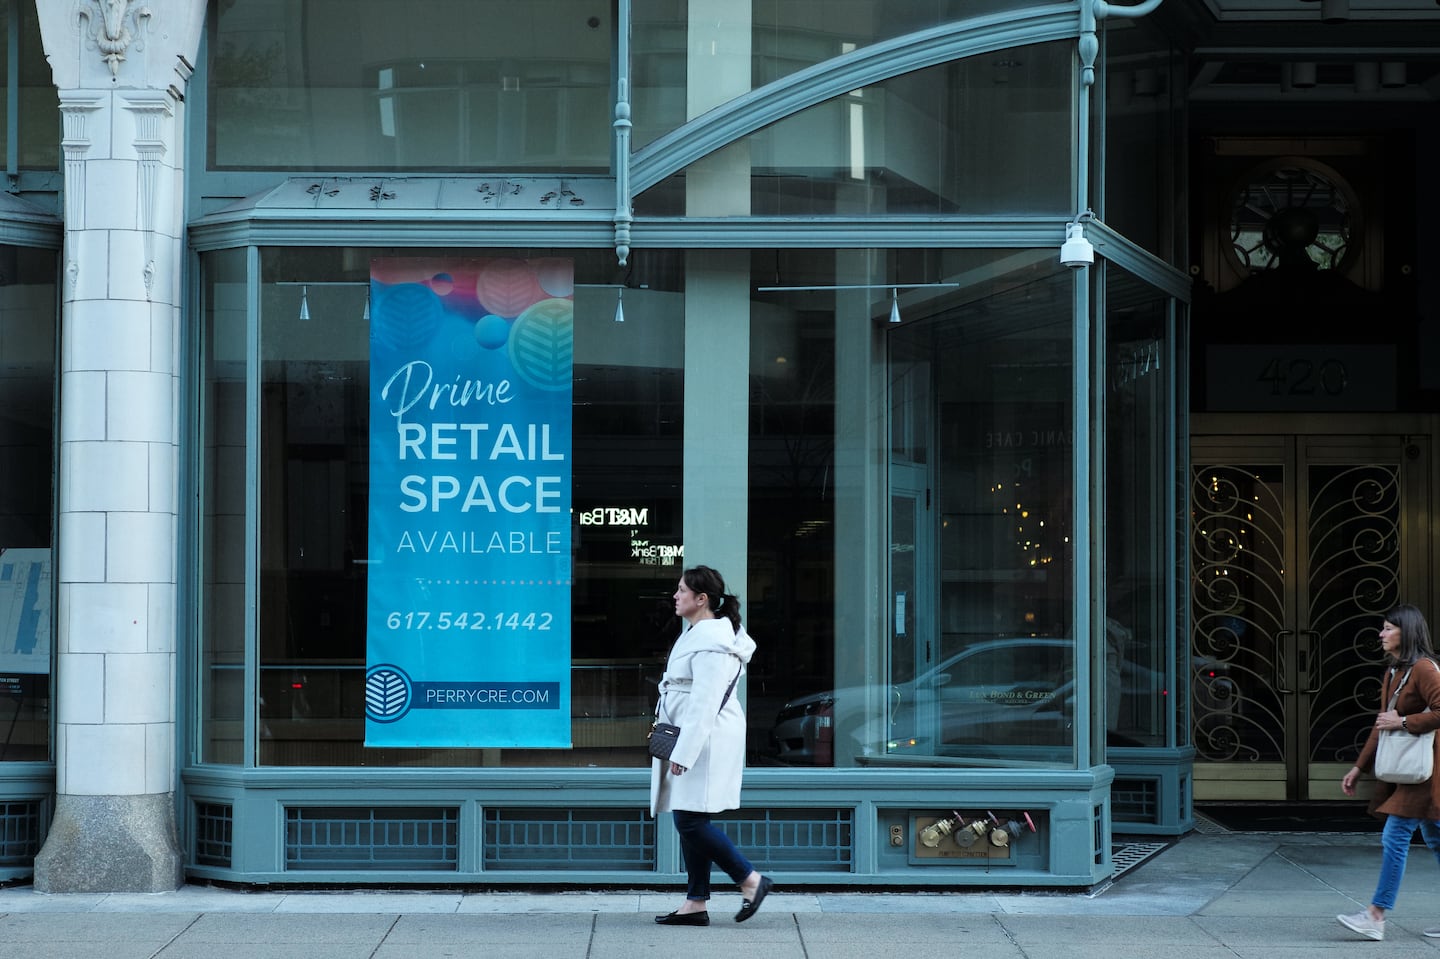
[
  {"x": 913, "y": 929},
  {"x": 90, "y": 927},
  {"x": 225, "y": 928},
  {"x": 1158, "y": 933}
]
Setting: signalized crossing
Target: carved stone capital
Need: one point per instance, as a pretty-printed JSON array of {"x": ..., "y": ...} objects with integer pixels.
[
  {"x": 75, "y": 110},
  {"x": 114, "y": 26},
  {"x": 151, "y": 111},
  {"x": 75, "y": 113}
]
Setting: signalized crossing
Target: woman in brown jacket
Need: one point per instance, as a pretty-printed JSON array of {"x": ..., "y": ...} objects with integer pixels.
[{"x": 1410, "y": 667}]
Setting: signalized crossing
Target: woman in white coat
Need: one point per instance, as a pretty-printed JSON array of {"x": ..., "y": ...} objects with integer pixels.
[{"x": 704, "y": 771}]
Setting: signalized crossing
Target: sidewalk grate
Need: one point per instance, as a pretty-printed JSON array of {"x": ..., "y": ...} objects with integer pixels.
[
  {"x": 1127, "y": 856},
  {"x": 1206, "y": 826}
]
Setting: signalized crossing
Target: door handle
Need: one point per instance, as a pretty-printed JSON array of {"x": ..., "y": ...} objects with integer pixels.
[
  {"x": 1312, "y": 661},
  {"x": 1280, "y": 686}
]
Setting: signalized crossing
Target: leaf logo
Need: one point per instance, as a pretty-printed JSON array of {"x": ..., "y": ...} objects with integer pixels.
[
  {"x": 507, "y": 286},
  {"x": 387, "y": 693},
  {"x": 405, "y": 316},
  {"x": 542, "y": 344}
]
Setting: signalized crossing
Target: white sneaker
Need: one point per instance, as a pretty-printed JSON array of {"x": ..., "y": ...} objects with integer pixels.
[
  {"x": 1433, "y": 932},
  {"x": 1362, "y": 924}
]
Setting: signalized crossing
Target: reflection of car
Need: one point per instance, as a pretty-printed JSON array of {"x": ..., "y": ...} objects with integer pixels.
[{"x": 1007, "y": 692}]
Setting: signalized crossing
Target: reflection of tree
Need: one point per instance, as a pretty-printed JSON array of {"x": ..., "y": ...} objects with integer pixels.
[
  {"x": 239, "y": 69},
  {"x": 258, "y": 111}
]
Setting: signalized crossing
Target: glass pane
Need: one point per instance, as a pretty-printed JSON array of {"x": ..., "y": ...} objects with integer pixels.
[
  {"x": 629, "y": 550},
  {"x": 790, "y": 35},
  {"x": 314, "y": 426},
  {"x": 27, "y": 495},
  {"x": 1180, "y": 517},
  {"x": 224, "y": 505},
  {"x": 1138, "y": 688},
  {"x": 973, "y": 664},
  {"x": 785, "y": 36},
  {"x": 315, "y": 498},
  {"x": 1144, "y": 98},
  {"x": 38, "y": 120},
  {"x": 791, "y": 607},
  {"x": 5, "y": 66},
  {"x": 334, "y": 85},
  {"x": 818, "y": 692},
  {"x": 983, "y": 135},
  {"x": 1001, "y": 688}
]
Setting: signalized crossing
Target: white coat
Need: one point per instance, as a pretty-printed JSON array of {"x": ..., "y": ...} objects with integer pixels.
[{"x": 711, "y": 746}]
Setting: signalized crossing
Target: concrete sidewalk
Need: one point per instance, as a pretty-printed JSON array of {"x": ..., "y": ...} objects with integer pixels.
[{"x": 1213, "y": 894}]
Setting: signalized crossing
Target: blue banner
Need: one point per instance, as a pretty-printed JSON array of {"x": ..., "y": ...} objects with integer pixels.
[{"x": 468, "y": 632}]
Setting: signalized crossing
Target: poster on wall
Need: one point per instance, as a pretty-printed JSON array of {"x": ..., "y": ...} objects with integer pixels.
[
  {"x": 24, "y": 611},
  {"x": 469, "y": 576}
]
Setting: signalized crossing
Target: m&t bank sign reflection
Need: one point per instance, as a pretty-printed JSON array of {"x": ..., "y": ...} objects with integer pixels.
[{"x": 468, "y": 600}]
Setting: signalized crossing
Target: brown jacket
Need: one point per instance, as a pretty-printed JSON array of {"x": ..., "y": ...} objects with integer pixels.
[{"x": 1422, "y": 692}]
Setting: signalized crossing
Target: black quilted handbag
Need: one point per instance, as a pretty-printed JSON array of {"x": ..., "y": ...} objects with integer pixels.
[{"x": 662, "y": 736}]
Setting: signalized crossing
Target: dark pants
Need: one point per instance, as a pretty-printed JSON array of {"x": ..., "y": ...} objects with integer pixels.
[{"x": 702, "y": 844}]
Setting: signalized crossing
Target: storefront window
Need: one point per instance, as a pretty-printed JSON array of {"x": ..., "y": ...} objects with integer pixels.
[
  {"x": 790, "y": 609},
  {"x": 986, "y": 670},
  {"x": 983, "y": 135},
  {"x": 964, "y": 656},
  {"x": 1139, "y": 381},
  {"x": 27, "y": 438},
  {"x": 35, "y": 126},
  {"x": 776, "y": 37},
  {"x": 969, "y": 658},
  {"x": 313, "y": 464},
  {"x": 333, "y": 85},
  {"x": 223, "y": 493}
]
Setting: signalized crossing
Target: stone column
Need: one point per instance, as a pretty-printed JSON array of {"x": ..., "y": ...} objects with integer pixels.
[{"x": 120, "y": 69}]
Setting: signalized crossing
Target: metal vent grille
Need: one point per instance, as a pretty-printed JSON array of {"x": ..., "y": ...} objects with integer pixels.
[
  {"x": 1126, "y": 856},
  {"x": 529, "y": 838},
  {"x": 377, "y": 838},
  {"x": 214, "y": 834},
  {"x": 20, "y": 832},
  {"x": 1100, "y": 850},
  {"x": 1135, "y": 800},
  {"x": 812, "y": 839}
]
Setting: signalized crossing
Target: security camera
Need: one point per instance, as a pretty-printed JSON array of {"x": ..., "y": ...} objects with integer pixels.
[{"x": 1076, "y": 250}]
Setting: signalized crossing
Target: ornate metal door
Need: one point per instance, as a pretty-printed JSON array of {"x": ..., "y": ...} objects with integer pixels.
[{"x": 1299, "y": 544}]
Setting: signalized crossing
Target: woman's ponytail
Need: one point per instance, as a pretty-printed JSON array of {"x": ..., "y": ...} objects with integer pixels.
[{"x": 704, "y": 579}]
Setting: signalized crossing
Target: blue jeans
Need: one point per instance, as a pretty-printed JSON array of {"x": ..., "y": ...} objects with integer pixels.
[
  {"x": 1395, "y": 847},
  {"x": 702, "y": 843}
]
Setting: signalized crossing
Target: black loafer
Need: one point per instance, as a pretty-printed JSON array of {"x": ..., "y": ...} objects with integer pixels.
[
  {"x": 749, "y": 907},
  {"x": 684, "y": 919}
]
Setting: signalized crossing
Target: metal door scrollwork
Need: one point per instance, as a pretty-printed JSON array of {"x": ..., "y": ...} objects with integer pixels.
[
  {"x": 1299, "y": 545},
  {"x": 1353, "y": 578},
  {"x": 1238, "y": 571},
  {"x": 1258, "y": 672}
]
